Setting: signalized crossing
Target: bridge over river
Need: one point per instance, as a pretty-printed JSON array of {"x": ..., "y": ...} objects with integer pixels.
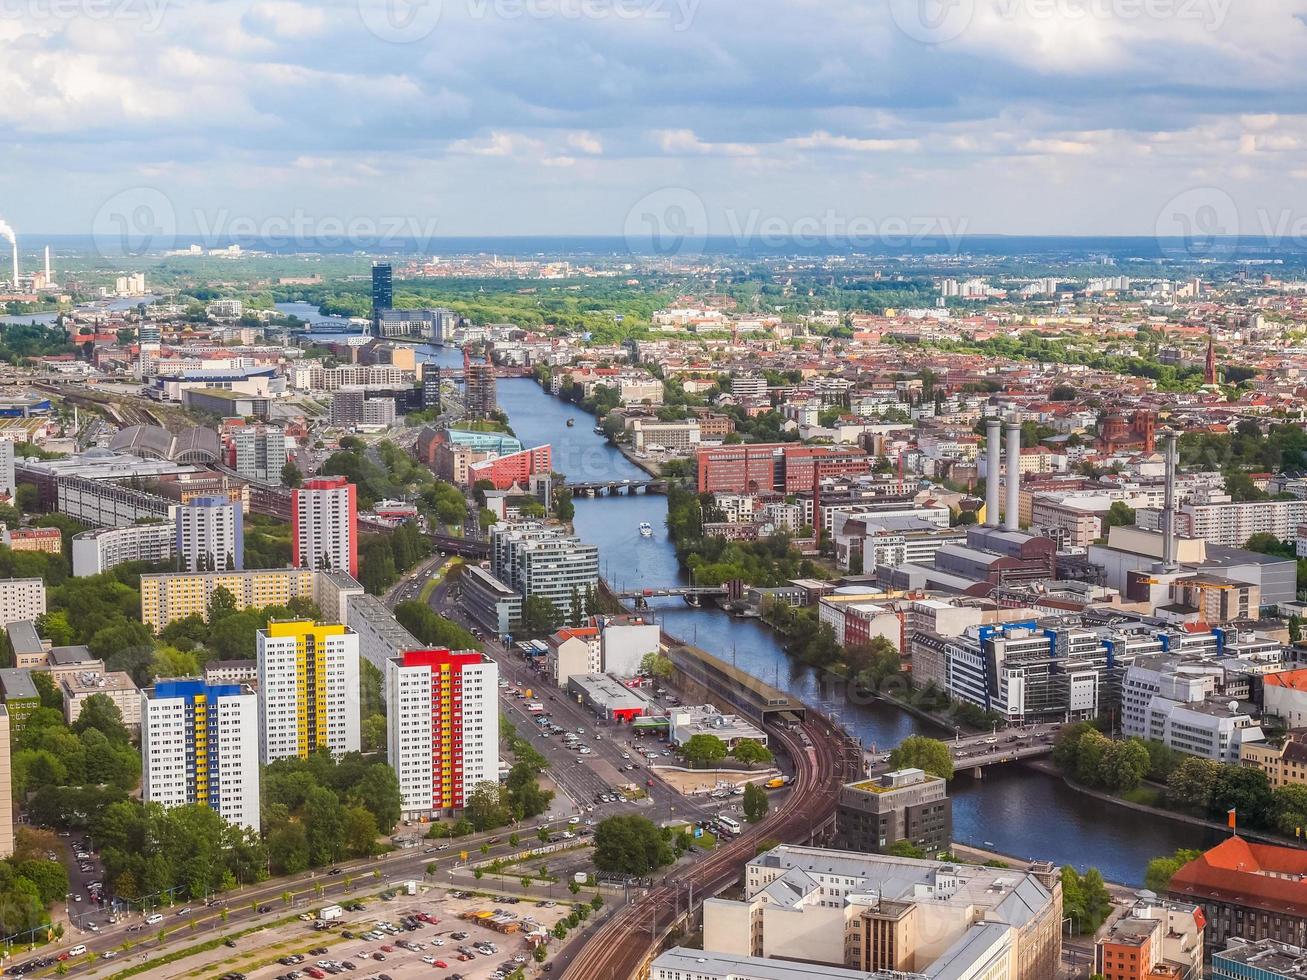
[{"x": 976, "y": 752}]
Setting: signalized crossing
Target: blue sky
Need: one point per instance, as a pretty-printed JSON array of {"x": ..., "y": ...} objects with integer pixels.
[{"x": 484, "y": 117}]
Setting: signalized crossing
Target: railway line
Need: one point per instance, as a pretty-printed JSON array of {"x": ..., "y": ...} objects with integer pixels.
[{"x": 822, "y": 764}]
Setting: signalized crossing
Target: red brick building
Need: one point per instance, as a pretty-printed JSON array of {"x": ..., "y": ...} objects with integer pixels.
[
  {"x": 515, "y": 468},
  {"x": 771, "y": 466}
]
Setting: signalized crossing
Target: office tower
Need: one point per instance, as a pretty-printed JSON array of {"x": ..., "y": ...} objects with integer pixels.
[
  {"x": 383, "y": 294},
  {"x": 442, "y": 727},
  {"x": 8, "y": 482},
  {"x": 544, "y": 560},
  {"x": 308, "y": 689},
  {"x": 431, "y": 386},
  {"x": 324, "y": 525},
  {"x": 260, "y": 452},
  {"x": 481, "y": 398},
  {"x": 199, "y": 744},
  {"x": 210, "y": 536}
]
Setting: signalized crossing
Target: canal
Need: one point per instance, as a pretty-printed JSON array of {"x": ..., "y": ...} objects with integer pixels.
[{"x": 1012, "y": 809}]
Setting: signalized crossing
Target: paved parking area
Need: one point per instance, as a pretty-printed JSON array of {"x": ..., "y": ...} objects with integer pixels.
[{"x": 435, "y": 943}]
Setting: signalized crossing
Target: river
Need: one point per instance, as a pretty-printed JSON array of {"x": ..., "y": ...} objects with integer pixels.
[{"x": 1013, "y": 810}]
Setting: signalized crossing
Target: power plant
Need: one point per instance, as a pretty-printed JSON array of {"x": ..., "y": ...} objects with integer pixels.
[
  {"x": 37, "y": 280},
  {"x": 8, "y": 234}
]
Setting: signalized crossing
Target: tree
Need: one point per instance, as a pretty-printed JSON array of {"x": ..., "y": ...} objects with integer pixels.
[
  {"x": 221, "y": 604},
  {"x": 1085, "y": 899},
  {"x": 1124, "y": 765},
  {"x": 1160, "y": 869},
  {"x": 485, "y": 807},
  {"x": 100, "y": 713},
  {"x": 1190, "y": 785},
  {"x": 540, "y": 617},
  {"x": 291, "y": 475},
  {"x": 361, "y": 831},
  {"x": 755, "y": 803},
  {"x": 1119, "y": 515},
  {"x": 630, "y": 845},
  {"x": 703, "y": 750},
  {"x": 928, "y": 754},
  {"x": 905, "y": 848},
  {"x": 1246, "y": 791},
  {"x": 1290, "y": 808},
  {"x": 658, "y": 666},
  {"x": 751, "y": 752}
]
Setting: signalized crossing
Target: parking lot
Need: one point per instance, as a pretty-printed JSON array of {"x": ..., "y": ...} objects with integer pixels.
[{"x": 392, "y": 939}]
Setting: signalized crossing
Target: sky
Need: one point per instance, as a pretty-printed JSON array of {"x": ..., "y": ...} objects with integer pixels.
[{"x": 732, "y": 117}]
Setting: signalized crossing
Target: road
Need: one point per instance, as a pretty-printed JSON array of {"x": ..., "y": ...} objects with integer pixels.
[
  {"x": 410, "y": 586},
  {"x": 241, "y": 904}
]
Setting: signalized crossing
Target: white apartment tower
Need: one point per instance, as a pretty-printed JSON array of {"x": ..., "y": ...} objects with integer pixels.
[
  {"x": 442, "y": 727},
  {"x": 210, "y": 536},
  {"x": 199, "y": 744},
  {"x": 308, "y": 690}
]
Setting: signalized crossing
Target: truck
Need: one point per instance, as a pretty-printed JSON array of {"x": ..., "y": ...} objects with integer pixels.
[
  {"x": 411, "y": 887},
  {"x": 528, "y": 695},
  {"x": 329, "y": 912},
  {"x": 776, "y": 783}
]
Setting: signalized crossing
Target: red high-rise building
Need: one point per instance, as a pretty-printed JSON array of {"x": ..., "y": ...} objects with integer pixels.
[
  {"x": 324, "y": 525},
  {"x": 515, "y": 468}
]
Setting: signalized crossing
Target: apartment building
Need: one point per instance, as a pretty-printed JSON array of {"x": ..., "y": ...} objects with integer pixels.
[
  {"x": 210, "y": 535},
  {"x": 515, "y": 469},
  {"x": 48, "y": 540},
  {"x": 77, "y": 686},
  {"x": 877, "y": 912},
  {"x": 1227, "y": 523},
  {"x": 200, "y": 744},
  {"x": 21, "y": 599},
  {"x": 352, "y": 409},
  {"x": 308, "y": 689},
  {"x": 6, "y": 786},
  {"x": 1285, "y": 764},
  {"x": 99, "y": 550},
  {"x": 172, "y": 596},
  {"x": 259, "y": 452},
  {"x": 649, "y": 435},
  {"x": 545, "y": 560},
  {"x": 324, "y": 525},
  {"x": 442, "y": 726}
]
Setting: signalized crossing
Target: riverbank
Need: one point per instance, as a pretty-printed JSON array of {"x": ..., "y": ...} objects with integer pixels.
[{"x": 1047, "y": 767}]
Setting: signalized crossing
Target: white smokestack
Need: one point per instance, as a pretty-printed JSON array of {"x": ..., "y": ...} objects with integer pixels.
[
  {"x": 1012, "y": 519},
  {"x": 8, "y": 235},
  {"x": 993, "y": 446},
  {"x": 47, "y": 265}
]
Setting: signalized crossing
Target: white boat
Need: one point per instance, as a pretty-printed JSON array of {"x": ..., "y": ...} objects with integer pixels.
[{"x": 646, "y": 530}]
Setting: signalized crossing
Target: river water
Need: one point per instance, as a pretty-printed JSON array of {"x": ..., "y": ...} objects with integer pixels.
[{"x": 1013, "y": 810}]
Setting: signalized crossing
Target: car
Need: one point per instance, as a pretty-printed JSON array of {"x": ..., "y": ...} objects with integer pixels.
[
  {"x": 429, "y": 960},
  {"x": 77, "y": 898},
  {"x": 388, "y": 949},
  {"x": 183, "y": 911},
  {"x": 441, "y": 965},
  {"x": 334, "y": 871},
  {"x": 108, "y": 954},
  {"x": 318, "y": 951},
  {"x": 437, "y": 941},
  {"x": 230, "y": 943},
  {"x": 264, "y": 909}
]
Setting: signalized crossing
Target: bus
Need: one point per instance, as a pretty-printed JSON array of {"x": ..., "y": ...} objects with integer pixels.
[{"x": 730, "y": 825}]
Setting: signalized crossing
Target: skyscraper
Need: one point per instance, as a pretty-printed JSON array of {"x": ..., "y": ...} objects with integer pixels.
[
  {"x": 442, "y": 727},
  {"x": 480, "y": 395},
  {"x": 210, "y": 536},
  {"x": 308, "y": 689},
  {"x": 383, "y": 293},
  {"x": 324, "y": 525},
  {"x": 199, "y": 744}
]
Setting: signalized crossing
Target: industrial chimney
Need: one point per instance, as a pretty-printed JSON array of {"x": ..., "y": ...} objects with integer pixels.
[
  {"x": 1012, "y": 518},
  {"x": 1168, "y": 506},
  {"x": 15, "y": 245},
  {"x": 48, "y": 279},
  {"x": 993, "y": 447}
]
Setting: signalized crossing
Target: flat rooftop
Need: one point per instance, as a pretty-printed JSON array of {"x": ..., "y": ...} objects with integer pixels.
[{"x": 726, "y": 966}]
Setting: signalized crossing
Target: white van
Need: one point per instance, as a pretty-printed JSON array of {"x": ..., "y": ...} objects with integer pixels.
[
  {"x": 153, "y": 920},
  {"x": 77, "y": 950}
]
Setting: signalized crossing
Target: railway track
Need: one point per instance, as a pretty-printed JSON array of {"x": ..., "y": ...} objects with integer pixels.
[{"x": 621, "y": 945}]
